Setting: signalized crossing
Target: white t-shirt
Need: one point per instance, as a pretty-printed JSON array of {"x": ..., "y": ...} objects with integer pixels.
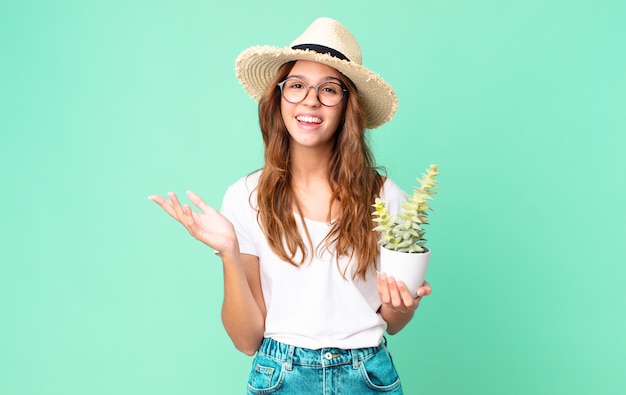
[{"x": 311, "y": 305}]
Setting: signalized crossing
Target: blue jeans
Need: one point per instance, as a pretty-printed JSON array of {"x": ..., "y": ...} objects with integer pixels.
[{"x": 282, "y": 369}]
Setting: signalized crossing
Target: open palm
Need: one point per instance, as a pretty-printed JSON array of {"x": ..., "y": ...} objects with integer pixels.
[{"x": 208, "y": 225}]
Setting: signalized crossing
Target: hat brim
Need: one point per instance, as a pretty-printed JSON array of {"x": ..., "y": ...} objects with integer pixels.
[{"x": 257, "y": 66}]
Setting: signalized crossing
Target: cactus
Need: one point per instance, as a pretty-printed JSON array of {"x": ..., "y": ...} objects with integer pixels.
[{"x": 404, "y": 232}]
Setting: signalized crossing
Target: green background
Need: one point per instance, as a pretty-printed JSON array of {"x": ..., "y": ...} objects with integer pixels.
[{"x": 521, "y": 103}]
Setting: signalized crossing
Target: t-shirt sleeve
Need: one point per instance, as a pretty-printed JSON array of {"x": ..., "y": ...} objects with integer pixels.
[
  {"x": 237, "y": 207},
  {"x": 393, "y": 196}
]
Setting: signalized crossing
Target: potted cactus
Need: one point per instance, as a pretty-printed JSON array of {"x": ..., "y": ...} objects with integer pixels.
[{"x": 403, "y": 254}]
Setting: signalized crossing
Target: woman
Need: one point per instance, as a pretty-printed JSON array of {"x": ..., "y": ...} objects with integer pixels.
[{"x": 300, "y": 283}]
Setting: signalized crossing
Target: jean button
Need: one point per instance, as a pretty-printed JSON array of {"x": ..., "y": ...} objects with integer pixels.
[{"x": 328, "y": 356}]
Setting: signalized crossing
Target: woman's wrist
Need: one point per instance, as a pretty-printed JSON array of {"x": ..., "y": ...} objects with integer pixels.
[{"x": 229, "y": 252}]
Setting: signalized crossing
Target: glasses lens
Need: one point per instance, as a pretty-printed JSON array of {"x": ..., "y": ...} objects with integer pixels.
[
  {"x": 294, "y": 90},
  {"x": 328, "y": 93}
]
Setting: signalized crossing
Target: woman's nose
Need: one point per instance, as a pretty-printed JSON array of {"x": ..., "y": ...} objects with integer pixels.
[{"x": 311, "y": 98}]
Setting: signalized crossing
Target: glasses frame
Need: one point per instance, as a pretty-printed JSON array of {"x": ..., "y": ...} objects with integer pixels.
[{"x": 280, "y": 85}]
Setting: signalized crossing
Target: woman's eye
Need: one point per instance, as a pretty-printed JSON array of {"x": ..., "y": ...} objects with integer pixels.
[
  {"x": 296, "y": 85},
  {"x": 330, "y": 89}
]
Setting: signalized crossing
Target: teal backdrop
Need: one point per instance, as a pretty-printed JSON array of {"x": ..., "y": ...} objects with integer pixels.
[{"x": 102, "y": 103}]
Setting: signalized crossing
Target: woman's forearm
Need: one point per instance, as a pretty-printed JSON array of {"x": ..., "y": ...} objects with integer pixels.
[
  {"x": 243, "y": 314},
  {"x": 395, "y": 320},
  {"x": 398, "y": 305}
]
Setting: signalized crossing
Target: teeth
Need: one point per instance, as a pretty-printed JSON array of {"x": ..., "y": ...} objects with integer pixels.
[{"x": 309, "y": 119}]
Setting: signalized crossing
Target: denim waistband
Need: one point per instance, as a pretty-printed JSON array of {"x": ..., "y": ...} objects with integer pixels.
[{"x": 324, "y": 357}]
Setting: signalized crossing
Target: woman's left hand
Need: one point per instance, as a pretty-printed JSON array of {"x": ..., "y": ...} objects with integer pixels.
[{"x": 396, "y": 296}]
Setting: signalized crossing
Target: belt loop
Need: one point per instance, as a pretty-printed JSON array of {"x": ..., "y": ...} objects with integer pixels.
[
  {"x": 290, "y": 352},
  {"x": 355, "y": 358}
]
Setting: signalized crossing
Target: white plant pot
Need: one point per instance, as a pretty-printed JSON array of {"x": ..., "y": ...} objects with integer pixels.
[{"x": 408, "y": 267}]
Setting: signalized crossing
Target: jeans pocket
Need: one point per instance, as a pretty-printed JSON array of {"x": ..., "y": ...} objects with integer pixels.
[
  {"x": 379, "y": 372},
  {"x": 266, "y": 376}
]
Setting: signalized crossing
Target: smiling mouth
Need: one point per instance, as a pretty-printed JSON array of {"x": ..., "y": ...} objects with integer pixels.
[{"x": 308, "y": 119}]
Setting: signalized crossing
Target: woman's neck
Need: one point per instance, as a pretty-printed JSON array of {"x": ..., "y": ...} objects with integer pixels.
[
  {"x": 309, "y": 165},
  {"x": 311, "y": 186}
]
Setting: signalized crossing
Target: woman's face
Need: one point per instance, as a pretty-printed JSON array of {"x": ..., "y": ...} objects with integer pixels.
[{"x": 309, "y": 122}]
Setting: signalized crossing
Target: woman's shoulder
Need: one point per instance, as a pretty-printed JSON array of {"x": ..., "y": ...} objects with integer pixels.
[
  {"x": 392, "y": 195},
  {"x": 246, "y": 184},
  {"x": 391, "y": 190},
  {"x": 241, "y": 194}
]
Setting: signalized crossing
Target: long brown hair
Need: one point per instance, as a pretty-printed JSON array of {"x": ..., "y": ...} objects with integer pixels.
[{"x": 353, "y": 176}]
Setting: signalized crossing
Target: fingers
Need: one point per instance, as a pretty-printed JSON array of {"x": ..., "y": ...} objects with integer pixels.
[
  {"x": 182, "y": 214},
  {"x": 395, "y": 294},
  {"x": 424, "y": 290},
  {"x": 197, "y": 200},
  {"x": 187, "y": 219},
  {"x": 396, "y": 298},
  {"x": 174, "y": 205},
  {"x": 165, "y": 205},
  {"x": 382, "y": 286},
  {"x": 207, "y": 225}
]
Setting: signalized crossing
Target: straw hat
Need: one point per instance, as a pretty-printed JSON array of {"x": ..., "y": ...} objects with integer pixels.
[{"x": 326, "y": 41}]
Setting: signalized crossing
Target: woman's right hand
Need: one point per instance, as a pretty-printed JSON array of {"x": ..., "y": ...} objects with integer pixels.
[{"x": 208, "y": 226}]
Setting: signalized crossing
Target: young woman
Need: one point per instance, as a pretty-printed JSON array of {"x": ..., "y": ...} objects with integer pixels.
[{"x": 301, "y": 290}]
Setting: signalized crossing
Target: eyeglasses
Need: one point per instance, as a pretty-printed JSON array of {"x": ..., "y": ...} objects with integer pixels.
[{"x": 328, "y": 93}]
